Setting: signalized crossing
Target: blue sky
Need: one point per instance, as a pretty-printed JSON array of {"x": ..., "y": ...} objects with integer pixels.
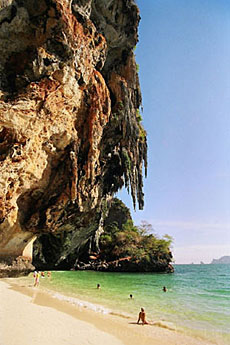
[{"x": 184, "y": 58}]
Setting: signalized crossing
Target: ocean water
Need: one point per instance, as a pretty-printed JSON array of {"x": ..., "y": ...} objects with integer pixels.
[{"x": 197, "y": 301}]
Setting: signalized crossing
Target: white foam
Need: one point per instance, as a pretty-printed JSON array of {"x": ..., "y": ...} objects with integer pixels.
[{"x": 79, "y": 303}]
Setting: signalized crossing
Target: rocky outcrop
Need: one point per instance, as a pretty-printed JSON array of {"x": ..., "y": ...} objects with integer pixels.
[
  {"x": 15, "y": 268},
  {"x": 124, "y": 247},
  {"x": 223, "y": 260},
  {"x": 70, "y": 135}
]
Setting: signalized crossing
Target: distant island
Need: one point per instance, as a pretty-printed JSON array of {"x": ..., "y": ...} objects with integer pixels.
[{"x": 222, "y": 260}]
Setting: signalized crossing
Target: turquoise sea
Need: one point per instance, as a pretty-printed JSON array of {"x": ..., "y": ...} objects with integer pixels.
[{"x": 197, "y": 300}]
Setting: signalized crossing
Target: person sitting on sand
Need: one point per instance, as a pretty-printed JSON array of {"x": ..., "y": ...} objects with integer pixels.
[
  {"x": 142, "y": 317},
  {"x": 130, "y": 296}
]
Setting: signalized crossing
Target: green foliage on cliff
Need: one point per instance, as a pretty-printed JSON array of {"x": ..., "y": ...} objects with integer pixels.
[
  {"x": 144, "y": 250},
  {"x": 138, "y": 115}
]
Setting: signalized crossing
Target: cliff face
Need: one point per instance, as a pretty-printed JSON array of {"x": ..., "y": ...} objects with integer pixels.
[{"x": 69, "y": 130}]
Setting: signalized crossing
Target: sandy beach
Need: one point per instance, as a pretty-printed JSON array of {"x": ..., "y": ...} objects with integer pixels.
[{"x": 30, "y": 316}]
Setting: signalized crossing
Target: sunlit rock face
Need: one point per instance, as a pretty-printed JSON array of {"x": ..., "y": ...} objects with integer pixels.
[{"x": 70, "y": 135}]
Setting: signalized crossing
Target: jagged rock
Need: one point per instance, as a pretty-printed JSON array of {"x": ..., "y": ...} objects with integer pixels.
[{"x": 69, "y": 132}]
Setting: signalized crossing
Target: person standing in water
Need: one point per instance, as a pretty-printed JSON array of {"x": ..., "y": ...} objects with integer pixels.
[{"x": 142, "y": 317}]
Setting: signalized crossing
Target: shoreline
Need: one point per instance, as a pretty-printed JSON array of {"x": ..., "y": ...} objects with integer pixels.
[{"x": 23, "y": 305}]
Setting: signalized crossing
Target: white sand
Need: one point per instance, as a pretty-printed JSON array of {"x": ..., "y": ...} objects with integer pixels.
[{"x": 35, "y": 318}]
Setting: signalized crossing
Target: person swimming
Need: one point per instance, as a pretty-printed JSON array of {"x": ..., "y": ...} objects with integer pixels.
[
  {"x": 164, "y": 289},
  {"x": 142, "y": 317}
]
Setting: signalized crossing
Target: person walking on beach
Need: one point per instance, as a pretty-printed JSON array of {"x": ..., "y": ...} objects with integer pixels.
[
  {"x": 142, "y": 317},
  {"x": 37, "y": 276}
]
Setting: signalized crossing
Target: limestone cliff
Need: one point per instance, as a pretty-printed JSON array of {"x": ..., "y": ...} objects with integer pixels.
[
  {"x": 223, "y": 260},
  {"x": 70, "y": 135}
]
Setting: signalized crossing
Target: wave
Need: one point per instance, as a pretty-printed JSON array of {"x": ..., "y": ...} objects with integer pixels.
[
  {"x": 79, "y": 303},
  {"x": 88, "y": 305},
  {"x": 163, "y": 324}
]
